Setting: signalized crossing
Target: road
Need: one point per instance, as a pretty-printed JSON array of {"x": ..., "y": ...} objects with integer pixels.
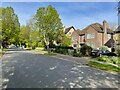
[{"x": 26, "y": 69}]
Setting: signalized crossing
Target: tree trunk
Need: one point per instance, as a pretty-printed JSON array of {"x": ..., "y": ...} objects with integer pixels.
[{"x": 48, "y": 49}]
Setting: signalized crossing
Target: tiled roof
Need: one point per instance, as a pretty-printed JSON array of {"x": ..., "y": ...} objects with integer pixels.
[
  {"x": 108, "y": 43},
  {"x": 68, "y": 29},
  {"x": 98, "y": 27}
]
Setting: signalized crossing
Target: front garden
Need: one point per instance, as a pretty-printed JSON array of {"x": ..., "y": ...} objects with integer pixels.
[
  {"x": 105, "y": 67},
  {"x": 113, "y": 60}
]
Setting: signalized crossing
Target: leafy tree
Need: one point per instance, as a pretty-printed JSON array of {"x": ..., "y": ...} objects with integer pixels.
[
  {"x": 10, "y": 27},
  {"x": 29, "y": 35},
  {"x": 49, "y": 24},
  {"x": 34, "y": 38},
  {"x": 1, "y": 28},
  {"x": 62, "y": 39},
  {"x": 24, "y": 35}
]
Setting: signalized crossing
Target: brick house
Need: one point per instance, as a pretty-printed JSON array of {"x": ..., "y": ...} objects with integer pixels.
[{"x": 95, "y": 35}]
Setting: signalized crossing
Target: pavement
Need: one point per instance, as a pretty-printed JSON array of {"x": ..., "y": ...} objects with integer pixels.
[{"x": 26, "y": 69}]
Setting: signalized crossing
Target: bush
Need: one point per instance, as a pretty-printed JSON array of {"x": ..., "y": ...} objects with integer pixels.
[
  {"x": 76, "y": 54},
  {"x": 118, "y": 53},
  {"x": 40, "y": 44},
  {"x": 105, "y": 59},
  {"x": 114, "y": 60},
  {"x": 62, "y": 50},
  {"x": 86, "y": 50},
  {"x": 104, "y": 48},
  {"x": 34, "y": 45}
]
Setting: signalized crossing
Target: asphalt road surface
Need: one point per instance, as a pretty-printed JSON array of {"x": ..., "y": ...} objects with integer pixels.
[{"x": 26, "y": 69}]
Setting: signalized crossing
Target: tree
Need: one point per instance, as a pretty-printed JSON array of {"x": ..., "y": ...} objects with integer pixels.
[
  {"x": 62, "y": 39},
  {"x": 49, "y": 24},
  {"x": 112, "y": 25},
  {"x": 24, "y": 35},
  {"x": 10, "y": 27},
  {"x": 0, "y": 28}
]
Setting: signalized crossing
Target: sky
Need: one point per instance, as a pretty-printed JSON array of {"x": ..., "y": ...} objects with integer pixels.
[{"x": 77, "y": 14}]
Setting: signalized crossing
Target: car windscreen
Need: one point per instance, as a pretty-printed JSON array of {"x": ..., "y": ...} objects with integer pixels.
[{"x": 95, "y": 50}]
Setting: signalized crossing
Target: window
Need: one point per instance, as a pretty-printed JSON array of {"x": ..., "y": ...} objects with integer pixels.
[
  {"x": 90, "y": 36},
  {"x": 83, "y": 38},
  {"x": 74, "y": 38}
]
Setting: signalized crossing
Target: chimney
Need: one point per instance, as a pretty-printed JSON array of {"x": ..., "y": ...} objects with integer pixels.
[
  {"x": 104, "y": 35},
  {"x": 105, "y": 27}
]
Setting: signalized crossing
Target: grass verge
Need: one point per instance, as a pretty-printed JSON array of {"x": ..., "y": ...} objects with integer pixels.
[
  {"x": 51, "y": 53},
  {"x": 40, "y": 51},
  {"x": 114, "y": 60},
  {"x": 104, "y": 66},
  {"x": 2, "y": 52},
  {"x": 44, "y": 52}
]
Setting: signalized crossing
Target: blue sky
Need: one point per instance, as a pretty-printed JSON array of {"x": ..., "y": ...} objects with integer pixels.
[{"x": 77, "y": 14}]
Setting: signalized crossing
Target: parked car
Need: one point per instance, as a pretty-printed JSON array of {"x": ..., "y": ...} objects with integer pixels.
[
  {"x": 12, "y": 46},
  {"x": 96, "y": 53},
  {"x": 110, "y": 54}
]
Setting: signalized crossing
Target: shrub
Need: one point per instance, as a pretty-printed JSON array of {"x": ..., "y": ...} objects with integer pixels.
[
  {"x": 40, "y": 44},
  {"x": 61, "y": 50},
  {"x": 34, "y": 45},
  {"x": 118, "y": 53},
  {"x": 104, "y": 48},
  {"x": 76, "y": 54},
  {"x": 86, "y": 50},
  {"x": 114, "y": 60}
]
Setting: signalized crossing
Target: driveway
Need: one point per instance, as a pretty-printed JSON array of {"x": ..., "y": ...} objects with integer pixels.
[{"x": 26, "y": 69}]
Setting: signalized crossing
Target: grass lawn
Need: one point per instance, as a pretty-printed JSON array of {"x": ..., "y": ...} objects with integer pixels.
[
  {"x": 44, "y": 52},
  {"x": 40, "y": 51},
  {"x": 104, "y": 66},
  {"x": 51, "y": 53}
]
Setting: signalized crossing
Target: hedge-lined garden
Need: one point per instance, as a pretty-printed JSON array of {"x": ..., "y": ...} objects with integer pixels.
[{"x": 85, "y": 50}]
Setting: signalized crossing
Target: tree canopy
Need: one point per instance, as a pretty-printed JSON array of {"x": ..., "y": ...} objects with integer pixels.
[
  {"x": 10, "y": 27},
  {"x": 49, "y": 24},
  {"x": 43, "y": 29}
]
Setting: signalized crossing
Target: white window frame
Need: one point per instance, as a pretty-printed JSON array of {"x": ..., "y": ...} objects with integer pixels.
[{"x": 91, "y": 36}]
